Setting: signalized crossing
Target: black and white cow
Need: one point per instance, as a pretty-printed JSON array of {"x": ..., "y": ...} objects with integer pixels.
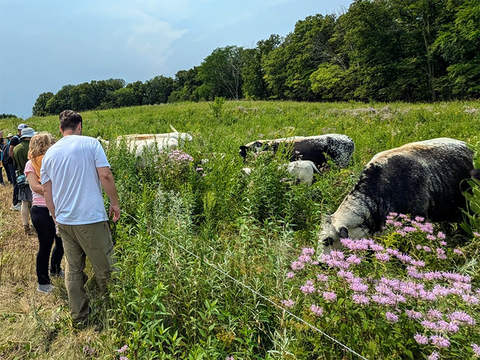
[
  {"x": 337, "y": 147},
  {"x": 421, "y": 178}
]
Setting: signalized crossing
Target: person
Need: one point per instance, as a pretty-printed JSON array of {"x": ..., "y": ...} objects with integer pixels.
[
  {"x": 20, "y": 158},
  {"x": 5, "y": 158},
  {"x": 2, "y": 144},
  {"x": 41, "y": 218},
  {"x": 14, "y": 141},
  {"x": 73, "y": 172}
]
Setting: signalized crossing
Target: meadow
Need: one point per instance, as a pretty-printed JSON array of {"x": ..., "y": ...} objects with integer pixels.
[{"x": 215, "y": 264}]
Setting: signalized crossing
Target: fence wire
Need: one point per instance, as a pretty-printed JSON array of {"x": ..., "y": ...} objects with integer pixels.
[{"x": 238, "y": 282}]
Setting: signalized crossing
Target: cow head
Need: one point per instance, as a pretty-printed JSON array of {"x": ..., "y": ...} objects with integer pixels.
[
  {"x": 255, "y": 147},
  {"x": 329, "y": 237}
]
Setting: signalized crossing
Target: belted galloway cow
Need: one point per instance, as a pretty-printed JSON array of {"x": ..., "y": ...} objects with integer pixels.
[
  {"x": 422, "y": 178},
  {"x": 337, "y": 147}
]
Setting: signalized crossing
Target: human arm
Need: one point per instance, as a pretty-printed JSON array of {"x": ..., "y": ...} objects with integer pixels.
[
  {"x": 34, "y": 184},
  {"x": 108, "y": 183},
  {"x": 47, "y": 194}
]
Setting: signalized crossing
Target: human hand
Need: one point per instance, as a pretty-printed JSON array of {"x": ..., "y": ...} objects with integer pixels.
[{"x": 115, "y": 210}]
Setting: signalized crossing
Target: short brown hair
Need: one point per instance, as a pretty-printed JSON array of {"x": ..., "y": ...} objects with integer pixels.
[{"x": 69, "y": 119}]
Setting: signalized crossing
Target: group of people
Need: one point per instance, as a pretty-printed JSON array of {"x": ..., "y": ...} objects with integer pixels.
[{"x": 59, "y": 185}]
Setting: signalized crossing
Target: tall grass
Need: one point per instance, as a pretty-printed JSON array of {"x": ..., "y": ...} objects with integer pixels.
[{"x": 191, "y": 224}]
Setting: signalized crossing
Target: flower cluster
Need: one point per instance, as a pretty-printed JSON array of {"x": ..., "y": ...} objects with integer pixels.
[{"x": 399, "y": 286}]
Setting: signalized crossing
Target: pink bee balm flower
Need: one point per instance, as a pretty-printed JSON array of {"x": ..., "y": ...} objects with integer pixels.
[
  {"x": 322, "y": 278},
  {"x": 434, "y": 356},
  {"x": 289, "y": 303},
  {"x": 391, "y": 317},
  {"x": 297, "y": 265},
  {"x": 440, "y": 341},
  {"x": 458, "y": 251},
  {"x": 329, "y": 296},
  {"x": 421, "y": 339},
  {"x": 476, "y": 349},
  {"x": 308, "y": 251},
  {"x": 290, "y": 274},
  {"x": 384, "y": 257},
  {"x": 360, "y": 299},
  {"x": 316, "y": 310}
]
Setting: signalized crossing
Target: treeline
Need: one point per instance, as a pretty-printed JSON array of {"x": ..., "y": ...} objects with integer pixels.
[{"x": 379, "y": 50}]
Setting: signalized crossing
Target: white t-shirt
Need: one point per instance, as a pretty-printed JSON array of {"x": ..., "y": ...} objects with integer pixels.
[{"x": 71, "y": 165}]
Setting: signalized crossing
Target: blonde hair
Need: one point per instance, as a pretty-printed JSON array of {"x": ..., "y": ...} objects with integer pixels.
[{"x": 39, "y": 144}]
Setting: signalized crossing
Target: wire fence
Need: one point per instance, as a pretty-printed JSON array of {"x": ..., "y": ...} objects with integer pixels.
[{"x": 241, "y": 284}]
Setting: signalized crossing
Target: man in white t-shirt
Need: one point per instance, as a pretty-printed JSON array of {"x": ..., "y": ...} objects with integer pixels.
[{"x": 73, "y": 172}]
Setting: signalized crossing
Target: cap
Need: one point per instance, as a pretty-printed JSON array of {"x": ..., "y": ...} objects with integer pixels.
[
  {"x": 27, "y": 133},
  {"x": 22, "y": 126},
  {"x": 9, "y": 135}
]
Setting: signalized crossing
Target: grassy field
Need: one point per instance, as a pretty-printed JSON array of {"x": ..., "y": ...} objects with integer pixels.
[{"x": 204, "y": 251}]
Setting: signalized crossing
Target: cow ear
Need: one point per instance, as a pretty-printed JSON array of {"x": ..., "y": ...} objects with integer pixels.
[{"x": 343, "y": 232}]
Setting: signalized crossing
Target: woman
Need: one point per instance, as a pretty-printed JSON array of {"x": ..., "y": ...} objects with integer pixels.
[{"x": 41, "y": 218}]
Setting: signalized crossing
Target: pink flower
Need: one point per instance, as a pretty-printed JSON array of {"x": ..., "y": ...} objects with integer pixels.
[
  {"x": 290, "y": 274},
  {"x": 308, "y": 288},
  {"x": 297, "y": 265},
  {"x": 391, "y": 317},
  {"x": 476, "y": 348},
  {"x": 316, "y": 310},
  {"x": 322, "y": 278},
  {"x": 308, "y": 251},
  {"x": 329, "y": 296},
  {"x": 289, "y": 303},
  {"x": 384, "y": 257},
  {"x": 441, "y": 235},
  {"x": 421, "y": 339},
  {"x": 434, "y": 356},
  {"x": 123, "y": 349},
  {"x": 440, "y": 341},
  {"x": 458, "y": 251},
  {"x": 360, "y": 299}
]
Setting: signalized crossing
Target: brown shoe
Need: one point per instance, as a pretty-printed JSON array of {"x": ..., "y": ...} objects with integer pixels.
[{"x": 28, "y": 230}]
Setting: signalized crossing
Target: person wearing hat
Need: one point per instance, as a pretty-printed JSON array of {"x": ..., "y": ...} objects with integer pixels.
[
  {"x": 20, "y": 158},
  {"x": 13, "y": 143}
]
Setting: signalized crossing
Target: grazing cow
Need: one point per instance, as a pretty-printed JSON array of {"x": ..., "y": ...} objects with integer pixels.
[
  {"x": 421, "y": 178},
  {"x": 140, "y": 142},
  {"x": 337, "y": 147}
]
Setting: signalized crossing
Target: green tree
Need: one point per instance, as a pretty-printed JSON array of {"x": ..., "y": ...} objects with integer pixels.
[
  {"x": 253, "y": 74},
  {"x": 185, "y": 85},
  {"x": 221, "y": 74},
  {"x": 458, "y": 43},
  {"x": 40, "y": 106},
  {"x": 60, "y": 101},
  {"x": 157, "y": 90}
]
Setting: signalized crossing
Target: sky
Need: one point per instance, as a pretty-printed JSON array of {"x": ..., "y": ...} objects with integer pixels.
[{"x": 46, "y": 44}]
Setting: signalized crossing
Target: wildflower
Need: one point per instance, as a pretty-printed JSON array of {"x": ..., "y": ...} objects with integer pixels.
[
  {"x": 409, "y": 229},
  {"x": 461, "y": 316},
  {"x": 419, "y": 219},
  {"x": 427, "y": 249},
  {"x": 418, "y": 247},
  {"x": 431, "y": 237},
  {"x": 476, "y": 349},
  {"x": 123, "y": 358},
  {"x": 297, "y": 265},
  {"x": 290, "y": 274},
  {"x": 470, "y": 299},
  {"x": 418, "y": 263},
  {"x": 123, "y": 349},
  {"x": 229, "y": 358},
  {"x": 308, "y": 288},
  {"x": 376, "y": 247},
  {"x": 316, "y": 310},
  {"x": 305, "y": 259},
  {"x": 322, "y": 278},
  {"x": 382, "y": 257},
  {"x": 441, "y": 235},
  {"x": 391, "y": 317},
  {"x": 443, "y": 243},
  {"x": 289, "y": 303},
  {"x": 308, "y": 251},
  {"x": 434, "y": 356},
  {"x": 476, "y": 234},
  {"x": 354, "y": 259},
  {"x": 360, "y": 299},
  {"x": 415, "y": 315},
  {"x": 421, "y": 339},
  {"x": 440, "y": 341},
  {"x": 458, "y": 251},
  {"x": 434, "y": 314},
  {"x": 358, "y": 286},
  {"x": 329, "y": 296}
]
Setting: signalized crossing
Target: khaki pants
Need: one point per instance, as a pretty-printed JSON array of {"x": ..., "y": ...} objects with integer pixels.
[{"x": 80, "y": 241}]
